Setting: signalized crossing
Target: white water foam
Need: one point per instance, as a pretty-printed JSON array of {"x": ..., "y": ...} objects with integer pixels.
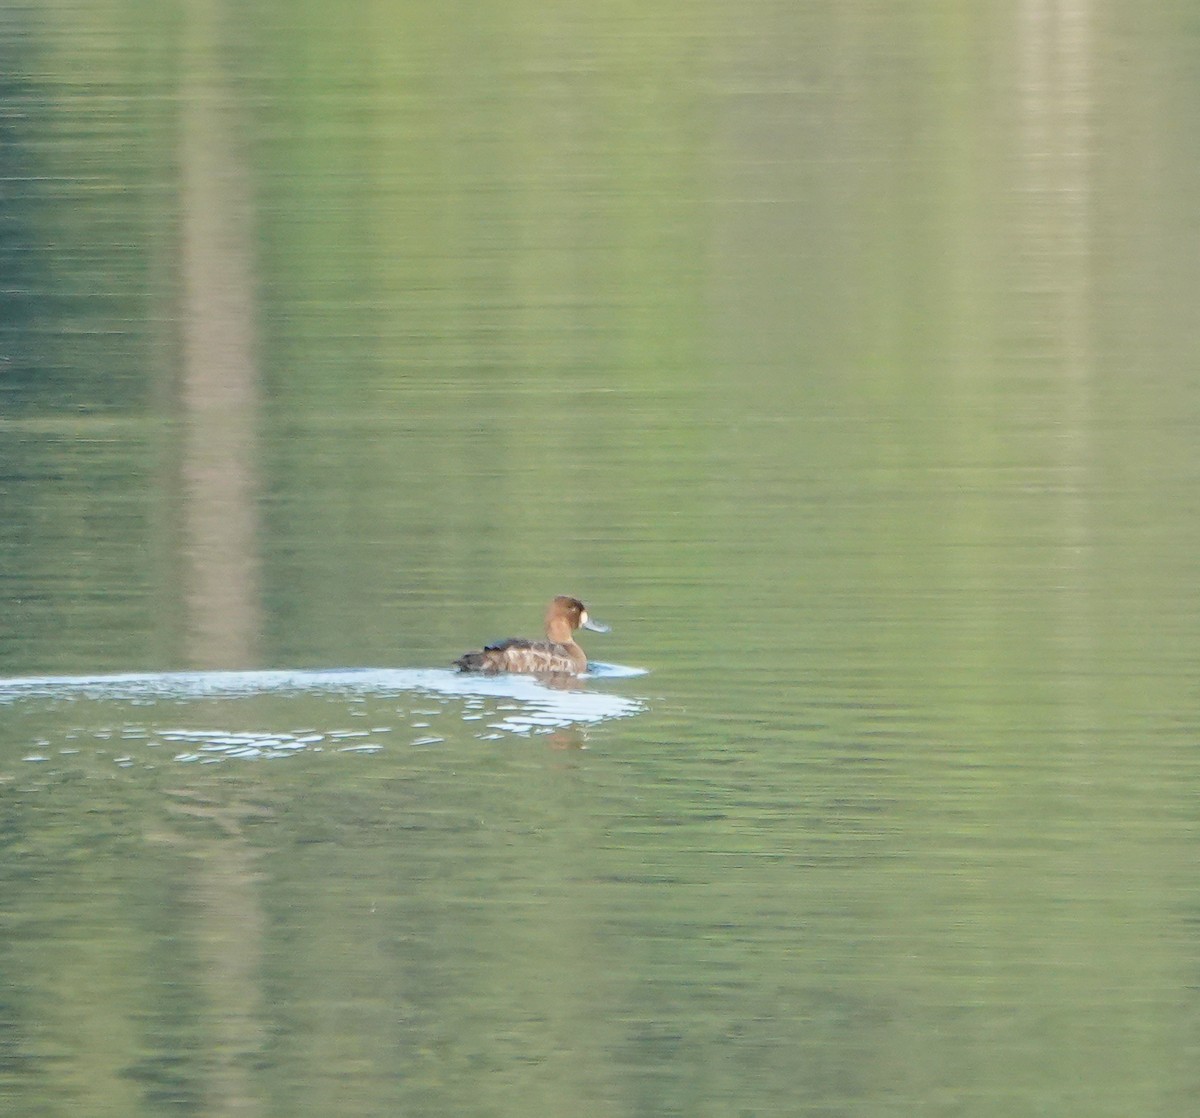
[{"x": 527, "y": 705}]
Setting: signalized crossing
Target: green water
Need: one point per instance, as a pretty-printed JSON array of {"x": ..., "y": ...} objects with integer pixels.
[{"x": 841, "y": 356}]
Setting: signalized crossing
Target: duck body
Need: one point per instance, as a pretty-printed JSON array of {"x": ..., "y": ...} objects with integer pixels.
[
  {"x": 558, "y": 654},
  {"x": 517, "y": 655}
]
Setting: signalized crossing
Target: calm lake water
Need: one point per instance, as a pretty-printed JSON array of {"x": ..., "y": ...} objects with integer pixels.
[{"x": 841, "y": 356}]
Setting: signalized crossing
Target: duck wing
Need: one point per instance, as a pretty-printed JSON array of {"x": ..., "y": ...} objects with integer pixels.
[{"x": 517, "y": 655}]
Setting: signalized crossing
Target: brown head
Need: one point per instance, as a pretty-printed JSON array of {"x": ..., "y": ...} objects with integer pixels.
[{"x": 564, "y": 615}]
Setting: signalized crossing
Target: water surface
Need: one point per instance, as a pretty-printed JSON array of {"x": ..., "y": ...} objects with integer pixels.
[{"x": 842, "y": 358}]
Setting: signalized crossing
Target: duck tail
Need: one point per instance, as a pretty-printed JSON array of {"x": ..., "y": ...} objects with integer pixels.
[{"x": 471, "y": 662}]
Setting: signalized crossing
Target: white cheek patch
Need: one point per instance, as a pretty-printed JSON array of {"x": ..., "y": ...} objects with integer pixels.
[{"x": 583, "y": 617}]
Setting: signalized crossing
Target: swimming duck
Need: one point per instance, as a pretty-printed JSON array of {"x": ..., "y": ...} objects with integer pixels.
[{"x": 557, "y": 653}]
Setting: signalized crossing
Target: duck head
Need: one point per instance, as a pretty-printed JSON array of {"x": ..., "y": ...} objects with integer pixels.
[{"x": 565, "y": 615}]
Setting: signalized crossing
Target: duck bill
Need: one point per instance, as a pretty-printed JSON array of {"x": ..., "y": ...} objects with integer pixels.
[{"x": 586, "y": 622}]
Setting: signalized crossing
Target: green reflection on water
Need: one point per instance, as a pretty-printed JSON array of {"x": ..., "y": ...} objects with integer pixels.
[{"x": 842, "y": 359}]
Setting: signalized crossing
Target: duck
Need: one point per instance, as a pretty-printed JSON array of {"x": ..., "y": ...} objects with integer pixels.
[{"x": 557, "y": 654}]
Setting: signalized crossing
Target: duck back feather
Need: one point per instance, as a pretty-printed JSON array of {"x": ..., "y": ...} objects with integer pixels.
[{"x": 516, "y": 655}]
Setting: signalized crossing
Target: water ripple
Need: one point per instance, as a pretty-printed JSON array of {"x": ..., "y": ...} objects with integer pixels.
[{"x": 491, "y": 705}]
